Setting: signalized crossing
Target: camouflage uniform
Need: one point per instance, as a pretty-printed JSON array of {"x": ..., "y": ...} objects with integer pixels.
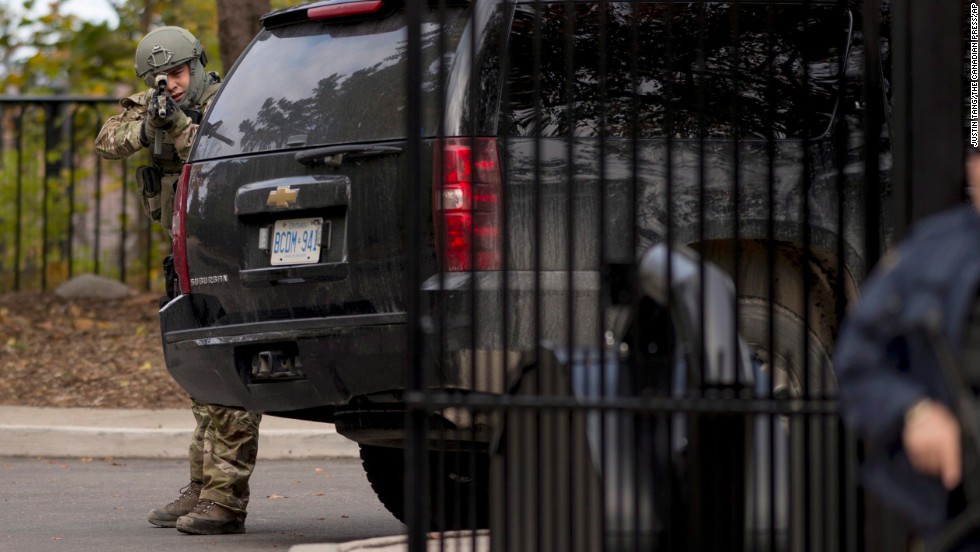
[
  {"x": 222, "y": 454},
  {"x": 120, "y": 137},
  {"x": 225, "y": 441}
]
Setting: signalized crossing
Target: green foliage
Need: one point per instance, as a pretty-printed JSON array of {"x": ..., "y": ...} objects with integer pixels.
[
  {"x": 59, "y": 52},
  {"x": 42, "y": 219}
]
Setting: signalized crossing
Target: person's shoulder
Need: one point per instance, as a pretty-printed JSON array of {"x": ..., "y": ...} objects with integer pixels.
[
  {"x": 951, "y": 224},
  {"x": 211, "y": 90},
  {"x": 936, "y": 246},
  {"x": 915, "y": 275},
  {"x": 140, "y": 99},
  {"x": 214, "y": 83},
  {"x": 925, "y": 250}
]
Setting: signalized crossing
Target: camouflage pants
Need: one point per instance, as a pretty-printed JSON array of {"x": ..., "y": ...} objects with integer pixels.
[{"x": 222, "y": 453}]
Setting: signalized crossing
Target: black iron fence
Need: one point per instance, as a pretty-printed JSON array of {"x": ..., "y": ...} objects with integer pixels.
[
  {"x": 650, "y": 219},
  {"x": 63, "y": 210}
]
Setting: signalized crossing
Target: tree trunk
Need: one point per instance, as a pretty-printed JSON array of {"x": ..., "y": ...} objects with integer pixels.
[
  {"x": 146, "y": 17},
  {"x": 238, "y": 22}
]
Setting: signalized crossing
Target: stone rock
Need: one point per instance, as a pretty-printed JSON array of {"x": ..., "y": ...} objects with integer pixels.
[{"x": 91, "y": 286}]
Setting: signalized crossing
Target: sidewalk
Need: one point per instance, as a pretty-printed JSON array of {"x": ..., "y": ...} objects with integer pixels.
[{"x": 95, "y": 432}]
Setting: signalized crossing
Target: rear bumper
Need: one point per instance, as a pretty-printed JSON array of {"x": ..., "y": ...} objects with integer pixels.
[
  {"x": 341, "y": 357},
  {"x": 483, "y": 326},
  {"x": 364, "y": 356}
]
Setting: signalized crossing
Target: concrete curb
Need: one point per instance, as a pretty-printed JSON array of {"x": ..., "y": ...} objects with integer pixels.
[
  {"x": 457, "y": 541},
  {"x": 90, "y": 432}
]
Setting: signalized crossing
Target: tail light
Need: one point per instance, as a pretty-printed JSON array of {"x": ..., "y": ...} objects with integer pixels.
[
  {"x": 466, "y": 204},
  {"x": 327, "y": 9},
  {"x": 178, "y": 230},
  {"x": 343, "y": 10}
]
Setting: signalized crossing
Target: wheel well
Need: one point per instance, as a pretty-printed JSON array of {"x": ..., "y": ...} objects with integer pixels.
[{"x": 826, "y": 275}]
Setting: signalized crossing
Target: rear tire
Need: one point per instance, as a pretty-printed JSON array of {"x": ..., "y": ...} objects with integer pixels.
[
  {"x": 786, "y": 452},
  {"x": 784, "y": 355},
  {"x": 459, "y": 486}
]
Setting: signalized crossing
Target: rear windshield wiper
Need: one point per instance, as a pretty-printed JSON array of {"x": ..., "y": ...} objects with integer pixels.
[
  {"x": 333, "y": 156},
  {"x": 211, "y": 130}
]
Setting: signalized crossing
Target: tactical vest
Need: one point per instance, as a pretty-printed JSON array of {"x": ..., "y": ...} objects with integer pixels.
[
  {"x": 169, "y": 161},
  {"x": 170, "y": 164}
]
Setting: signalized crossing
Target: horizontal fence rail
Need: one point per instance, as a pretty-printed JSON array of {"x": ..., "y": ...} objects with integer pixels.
[{"x": 64, "y": 210}]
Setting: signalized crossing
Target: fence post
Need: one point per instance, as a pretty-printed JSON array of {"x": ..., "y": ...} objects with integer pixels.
[
  {"x": 53, "y": 159},
  {"x": 18, "y": 213},
  {"x": 929, "y": 117},
  {"x": 72, "y": 127},
  {"x": 416, "y": 452}
]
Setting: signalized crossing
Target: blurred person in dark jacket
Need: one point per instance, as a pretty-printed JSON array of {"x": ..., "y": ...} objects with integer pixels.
[{"x": 918, "y": 307}]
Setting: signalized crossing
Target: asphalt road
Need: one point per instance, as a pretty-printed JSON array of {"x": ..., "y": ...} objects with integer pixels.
[{"x": 101, "y": 504}]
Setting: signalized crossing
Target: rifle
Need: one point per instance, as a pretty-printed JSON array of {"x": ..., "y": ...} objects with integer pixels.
[{"x": 158, "y": 107}]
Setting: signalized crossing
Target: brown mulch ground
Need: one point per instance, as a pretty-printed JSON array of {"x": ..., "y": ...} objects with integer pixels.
[{"x": 83, "y": 352}]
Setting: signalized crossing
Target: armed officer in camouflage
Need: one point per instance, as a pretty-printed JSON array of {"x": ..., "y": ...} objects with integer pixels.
[{"x": 164, "y": 119}]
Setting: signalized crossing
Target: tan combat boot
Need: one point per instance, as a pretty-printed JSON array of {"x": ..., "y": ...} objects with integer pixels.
[
  {"x": 167, "y": 516},
  {"x": 209, "y": 518}
]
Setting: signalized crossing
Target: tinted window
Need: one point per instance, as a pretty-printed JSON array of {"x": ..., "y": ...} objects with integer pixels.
[
  {"x": 751, "y": 71},
  {"x": 326, "y": 83}
]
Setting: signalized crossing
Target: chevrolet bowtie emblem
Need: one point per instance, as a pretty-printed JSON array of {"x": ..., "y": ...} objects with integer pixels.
[{"x": 283, "y": 196}]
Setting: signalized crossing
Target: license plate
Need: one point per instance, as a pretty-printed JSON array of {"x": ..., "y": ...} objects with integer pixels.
[{"x": 297, "y": 241}]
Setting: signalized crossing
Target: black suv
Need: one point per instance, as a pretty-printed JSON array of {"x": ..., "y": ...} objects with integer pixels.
[{"x": 559, "y": 139}]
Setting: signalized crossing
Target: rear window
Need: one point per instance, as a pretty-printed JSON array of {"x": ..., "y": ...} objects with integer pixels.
[
  {"x": 318, "y": 83},
  {"x": 686, "y": 70}
]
